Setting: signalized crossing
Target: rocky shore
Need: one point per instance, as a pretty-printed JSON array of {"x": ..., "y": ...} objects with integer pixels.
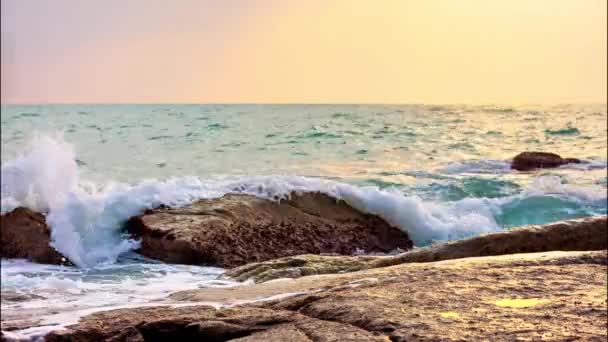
[
  {"x": 544, "y": 282},
  {"x": 536, "y": 296}
]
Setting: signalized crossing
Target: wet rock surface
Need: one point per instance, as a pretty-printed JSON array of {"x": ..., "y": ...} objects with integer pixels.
[
  {"x": 526, "y": 161},
  {"x": 500, "y": 298},
  {"x": 25, "y": 234},
  {"x": 586, "y": 234},
  {"x": 239, "y": 229}
]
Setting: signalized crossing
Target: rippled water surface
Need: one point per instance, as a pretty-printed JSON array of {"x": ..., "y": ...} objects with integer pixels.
[{"x": 129, "y": 142}]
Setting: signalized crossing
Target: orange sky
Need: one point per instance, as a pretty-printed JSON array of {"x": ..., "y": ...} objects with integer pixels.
[{"x": 320, "y": 51}]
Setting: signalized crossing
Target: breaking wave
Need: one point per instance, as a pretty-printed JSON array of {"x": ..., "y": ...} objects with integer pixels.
[{"x": 87, "y": 219}]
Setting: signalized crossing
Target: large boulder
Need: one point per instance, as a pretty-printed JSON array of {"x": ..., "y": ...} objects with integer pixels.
[
  {"x": 557, "y": 296},
  {"x": 25, "y": 234},
  {"x": 526, "y": 161},
  {"x": 238, "y": 229}
]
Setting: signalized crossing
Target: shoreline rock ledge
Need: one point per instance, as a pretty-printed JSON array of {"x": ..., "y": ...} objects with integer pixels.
[
  {"x": 237, "y": 229},
  {"x": 556, "y": 296}
]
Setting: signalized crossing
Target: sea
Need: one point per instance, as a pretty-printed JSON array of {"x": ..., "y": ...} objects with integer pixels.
[{"x": 439, "y": 172}]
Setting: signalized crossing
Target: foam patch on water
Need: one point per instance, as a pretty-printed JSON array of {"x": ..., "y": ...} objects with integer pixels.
[
  {"x": 478, "y": 166},
  {"x": 553, "y": 185},
  {"x": 587, "y": 164},
  {"x": 53, "y": 296},
  {"x": 86, "y": 219},
  {"x": 50, "y": 297}
]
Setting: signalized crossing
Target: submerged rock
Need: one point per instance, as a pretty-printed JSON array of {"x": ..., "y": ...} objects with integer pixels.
[
  {"x": 526, "y": 161},
  {"x": 586, "y": 234},
  {"x": 501, "y": 298},
  {"x": 25, "y": 234},
  {"x": 238, "y": 229}
]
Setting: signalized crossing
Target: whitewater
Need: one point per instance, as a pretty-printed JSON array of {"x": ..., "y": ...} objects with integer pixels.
[{"x": 437, "y": 172}]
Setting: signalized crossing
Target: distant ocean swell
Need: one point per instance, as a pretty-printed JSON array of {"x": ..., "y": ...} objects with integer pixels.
[{"x": 87, "y": 218}]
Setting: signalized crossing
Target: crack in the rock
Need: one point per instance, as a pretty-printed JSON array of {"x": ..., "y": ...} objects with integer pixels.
[
  {"x": 306, "y": 333},
  {"x": 305, "y": 302}
]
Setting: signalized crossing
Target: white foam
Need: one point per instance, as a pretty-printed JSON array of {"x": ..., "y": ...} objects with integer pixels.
[
  {"x": 478, "y": 166},
  {"x": 424, "y": 221},
  {"x": 40, "y": 178},
  {"x": 588, "y": 164},
  {"x": 60, "y": 294},
  {"x": 553, "y": 185}
]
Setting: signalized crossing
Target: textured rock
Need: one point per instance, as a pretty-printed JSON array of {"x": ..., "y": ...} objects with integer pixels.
[
  {"x": 299, "y": 266},
  {"x": 24, "y": 234},
  {"x": 584, "y": 234},
  {"x": 526, "y": 161},
  {"x": 203, "y": 323},
  {"x": 499, "y": 298},
  {"x": 238, "y": 229}
]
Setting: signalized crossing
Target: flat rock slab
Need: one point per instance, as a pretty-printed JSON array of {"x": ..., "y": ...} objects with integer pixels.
[
  {"x": 536, "y": 296},
  {"x": 25, "y": 234},
  {"x": 238, "y": 229},
  {"x": 203, "y": 323}
]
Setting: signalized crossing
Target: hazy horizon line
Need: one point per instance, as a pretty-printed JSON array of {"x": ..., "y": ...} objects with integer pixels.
[{"x": 481, "y": 103}]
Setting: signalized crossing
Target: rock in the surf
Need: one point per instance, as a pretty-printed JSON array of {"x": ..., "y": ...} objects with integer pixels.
[
  {"x": 25, "y": 234},
  {"x": 526, "y": 161},
  {"x": 238, "y": 229}
]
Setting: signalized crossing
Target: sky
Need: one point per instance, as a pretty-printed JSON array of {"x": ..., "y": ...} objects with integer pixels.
[{"x": 295, "y": 51}]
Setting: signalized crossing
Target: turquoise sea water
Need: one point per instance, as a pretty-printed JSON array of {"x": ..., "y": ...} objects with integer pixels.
[
  {"x": 438, "y": 172},
  {"x": 372, "y": 143}
]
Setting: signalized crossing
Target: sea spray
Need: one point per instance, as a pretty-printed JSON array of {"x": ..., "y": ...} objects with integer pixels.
[{"x": 42, "y": 177}]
